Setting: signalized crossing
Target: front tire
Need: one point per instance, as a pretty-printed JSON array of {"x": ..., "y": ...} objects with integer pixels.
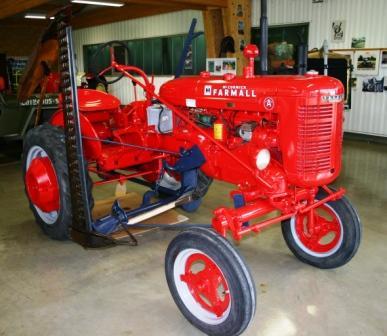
[
  {"x": 336, "y": 237},
  {"x": 210, "y": 283}
]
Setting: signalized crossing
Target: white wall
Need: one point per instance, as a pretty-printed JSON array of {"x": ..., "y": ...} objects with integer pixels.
[
  {"x": 123, "y": 89},
  {"x": 363, "y": 18},
  {"x": 158, "y": 25}
]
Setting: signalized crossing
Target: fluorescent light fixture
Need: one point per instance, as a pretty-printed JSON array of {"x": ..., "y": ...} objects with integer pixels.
[
  {"x": 99, "y": 3},
  {"x": 52, "y": 17},
  {"x": 35, "y": 16}
]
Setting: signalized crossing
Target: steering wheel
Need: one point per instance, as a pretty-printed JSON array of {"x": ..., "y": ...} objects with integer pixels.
[{"x": 97, "y": 53}]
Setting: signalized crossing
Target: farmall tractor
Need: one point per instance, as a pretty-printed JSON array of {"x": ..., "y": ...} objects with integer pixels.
[{"x": 277, "y": 139}]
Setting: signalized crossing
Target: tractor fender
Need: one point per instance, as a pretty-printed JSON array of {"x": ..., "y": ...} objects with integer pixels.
[{"x": 92, "y": 149}]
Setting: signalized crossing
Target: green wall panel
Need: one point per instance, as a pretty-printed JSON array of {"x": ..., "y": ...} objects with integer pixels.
[{"x": 158, "y": 55}]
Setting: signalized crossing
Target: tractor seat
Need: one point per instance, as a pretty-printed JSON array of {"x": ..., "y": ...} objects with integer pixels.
[{"x": 93, "y": 100}]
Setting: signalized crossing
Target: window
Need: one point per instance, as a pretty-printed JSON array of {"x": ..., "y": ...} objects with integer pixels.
[
  {"x": 283, "y": 42},
  {"x": 157, "y": 55}
]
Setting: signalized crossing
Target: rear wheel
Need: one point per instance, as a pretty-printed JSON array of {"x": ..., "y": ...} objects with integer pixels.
[
  {"x": 46, "y": 180},
  {"x": 210, "y": 282},
  {"x": 335, "y": 237}
]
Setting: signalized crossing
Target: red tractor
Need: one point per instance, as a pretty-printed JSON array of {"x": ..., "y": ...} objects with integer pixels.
[{"x": 278, "y": 139}]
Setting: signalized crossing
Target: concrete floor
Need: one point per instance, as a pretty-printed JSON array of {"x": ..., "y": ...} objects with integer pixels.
[{"x": 58, "y": 288}]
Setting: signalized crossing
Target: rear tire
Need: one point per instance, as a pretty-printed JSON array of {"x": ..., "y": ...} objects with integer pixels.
[
  {"x": 218, "y": 297},
  {"x": 340, "y": 222},
  {"x": 49, "y": 141}
]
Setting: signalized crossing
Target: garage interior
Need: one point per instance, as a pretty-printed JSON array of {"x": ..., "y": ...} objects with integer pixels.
[{"x": 50, "y": 287}]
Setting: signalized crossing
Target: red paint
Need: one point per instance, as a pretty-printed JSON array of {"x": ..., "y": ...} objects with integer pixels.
[
  {"x": 312, "y": 236},
  {"x": 250, "y": 52},
  {"x": 42, "y": 184},
  {"x": 298, "y": 119},
  {"x": 53, "y": 82},
  {"x": 93, "y": 100},
  {"x": 92, "y": 149},
  {"x": 204, "y": 284},
  {"x": 2, "y": 84}
]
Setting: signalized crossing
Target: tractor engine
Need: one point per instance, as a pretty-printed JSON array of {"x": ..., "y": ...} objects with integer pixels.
[{"x": 289, "y": 124}]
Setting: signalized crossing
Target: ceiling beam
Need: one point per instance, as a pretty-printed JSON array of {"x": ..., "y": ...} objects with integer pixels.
[
  {"x": 128, "y": 12},
  {"x": 207, "y": 3},
  {"x": 188, "y": 3},
  {"x": 12, "y": 7},
  {"x": 159, "y": 3}
]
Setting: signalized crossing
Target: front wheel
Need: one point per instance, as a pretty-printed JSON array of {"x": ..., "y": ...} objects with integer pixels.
[
  {"x": 335, "y": 237},
  {"x": 210, "y": 282}
]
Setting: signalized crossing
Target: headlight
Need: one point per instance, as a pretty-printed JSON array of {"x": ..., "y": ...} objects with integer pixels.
[{"x": 262, "y": 159}]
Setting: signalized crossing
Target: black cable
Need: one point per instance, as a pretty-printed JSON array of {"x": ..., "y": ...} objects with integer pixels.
[
  {"x": 170, "y": 227},
  {"x": 158, "y": 121}
]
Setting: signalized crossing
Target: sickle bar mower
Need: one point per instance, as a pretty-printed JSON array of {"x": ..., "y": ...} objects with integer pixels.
[{"x": 278, "y": 139}]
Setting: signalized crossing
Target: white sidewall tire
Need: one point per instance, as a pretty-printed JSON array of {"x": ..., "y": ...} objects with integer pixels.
[
  {"x": 50, "y": 141},
  {"x": 240, "y": 284},
  {"x": 182, "y": 288}
]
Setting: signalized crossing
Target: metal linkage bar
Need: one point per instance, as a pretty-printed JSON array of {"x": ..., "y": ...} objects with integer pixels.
[{"x": 125, "y": 144}]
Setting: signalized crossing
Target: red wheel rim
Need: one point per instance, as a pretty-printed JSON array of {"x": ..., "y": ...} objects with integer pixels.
[
  {"x": 327, "y": 233},
  {"x": 206, "y": 283},
  {"x": 42, "y": 184}
]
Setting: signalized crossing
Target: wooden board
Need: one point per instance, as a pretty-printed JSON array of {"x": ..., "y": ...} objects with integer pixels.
[{"x": 130, "y": 201}]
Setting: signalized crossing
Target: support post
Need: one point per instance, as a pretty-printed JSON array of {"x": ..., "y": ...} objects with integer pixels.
[
  {"x": 213, "y": 30},
  {"x": 234, "y": 21}
]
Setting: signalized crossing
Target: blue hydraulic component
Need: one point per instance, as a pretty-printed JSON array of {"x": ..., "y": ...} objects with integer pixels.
[
  {"x": 118, "y": 216},
  {"x": 192, "y": 206},
  {"x": 239, "y": 201},
  {"x": 147, "y": 197},
  {"x": 188, "y": 41},
  {"x": 109, "y": 224},
  {"x": 187, "y": 166},
  {"x": 192, "y": 158}
]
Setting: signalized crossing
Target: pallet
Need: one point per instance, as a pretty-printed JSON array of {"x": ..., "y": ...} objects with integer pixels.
[{"x": 130, "y": 201}]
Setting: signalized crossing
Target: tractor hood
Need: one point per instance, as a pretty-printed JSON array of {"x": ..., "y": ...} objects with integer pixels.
[{"x": 240, "y": 93}]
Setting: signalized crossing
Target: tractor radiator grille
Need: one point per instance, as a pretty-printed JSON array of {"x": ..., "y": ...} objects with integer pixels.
[{"x": 314, "y": 145}]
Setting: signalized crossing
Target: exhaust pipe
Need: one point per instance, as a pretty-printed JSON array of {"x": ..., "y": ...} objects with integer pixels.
[{"x": 264, "y": 38}]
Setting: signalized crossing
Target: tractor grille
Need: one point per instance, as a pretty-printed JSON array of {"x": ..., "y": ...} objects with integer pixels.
[{"x": 314, "y": 145}]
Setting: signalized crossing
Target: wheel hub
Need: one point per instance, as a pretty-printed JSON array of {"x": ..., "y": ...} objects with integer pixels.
[
  {"x": 326, "y": 232},
  {"x": 207, "y": 285},
  {"x": 42, "y": 184}
]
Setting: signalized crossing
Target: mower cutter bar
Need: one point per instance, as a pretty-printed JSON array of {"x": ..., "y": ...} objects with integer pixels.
[
  {"x": 163, "y": 208},
  {"x": 119, "y": 216}
]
